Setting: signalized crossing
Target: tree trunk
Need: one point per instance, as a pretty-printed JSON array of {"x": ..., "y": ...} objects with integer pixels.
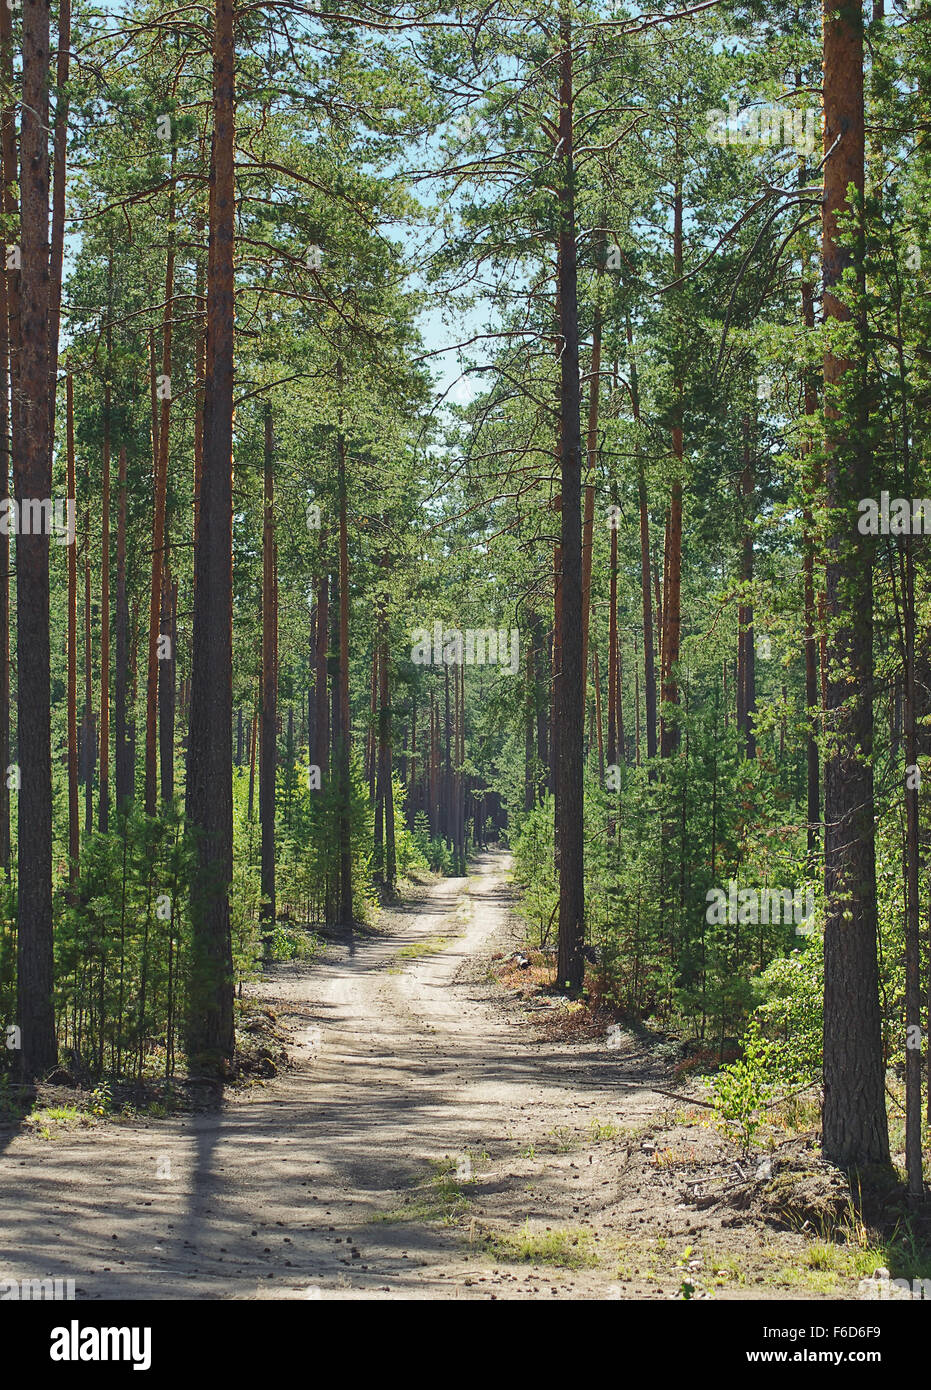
[
  {"x": 746, "y": 651},
  {"x": 322, "y": 714},
  {"x": 160, "y": 441},
  {"x": 812, "y": 693},
  {"x": 268, "y": 739},
  {"x": 166, "y": 684},
  {"x": 854, "y": 1120},
  {"x": 57, "y": 249},
  {"x": 669, "y": 735},
  {"x": 74, "y": 824},
  {"x": 569, "y": 704},
  {"x": 210, "y": 773},
  {"x": 124, "y": 789},
  {"x": 345, "y": 846},
  {"x": 386, "y": 794},
  {"x": 588, "y": 524},
  {"x": 32, "y": 480},
  {"x": 649, "y": 667},
  {"x": 253, "y": 740},
  {"x": 104, "y": 802},
  {"x": 11, "y": 366}
]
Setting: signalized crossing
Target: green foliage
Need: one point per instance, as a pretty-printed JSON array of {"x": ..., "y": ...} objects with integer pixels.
[{"x": 742, "y": 1088}]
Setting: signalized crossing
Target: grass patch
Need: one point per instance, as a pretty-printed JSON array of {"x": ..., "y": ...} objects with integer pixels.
[
  {"x": 428, "y": 947},
  {"x": 571, "y": 1248},
  {"x": 439, "y": 1197}
]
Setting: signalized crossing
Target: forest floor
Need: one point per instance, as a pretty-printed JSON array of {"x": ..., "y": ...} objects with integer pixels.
[{"x": 433, "y": 1134}]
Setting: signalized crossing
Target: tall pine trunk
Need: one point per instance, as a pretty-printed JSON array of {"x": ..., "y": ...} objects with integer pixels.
[
  {"x": 855, "y": 1127},
  {"x": 568, "y": 727},
  {"x": 32, "y": 481},
  {"x": 210, "y": 771},
  {"x": 10, "y": 365}
]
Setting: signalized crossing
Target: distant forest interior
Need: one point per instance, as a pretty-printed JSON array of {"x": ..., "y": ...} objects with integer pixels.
[{"x": 437, "y": 435}]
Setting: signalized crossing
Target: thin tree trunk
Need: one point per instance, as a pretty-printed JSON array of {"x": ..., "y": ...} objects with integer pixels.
[
  {"x": 74, "y": 824},
  {"x": 161, "y": 487},
  {"x": 649, "y": 668},
  {"x": 124, "y": 791},
  {"x": 913, "y": 1155},
  {"x": 612, "y": 653},
  {"x": 345, "y": 847},
  {"x": 166, "y": 684},
  {"x": 569, "y": 705},
  {"x": 812, "y": 693},
  {"x": 669, "y": 735},
  {"x": 588, "y": 523},
  {"x": 57, "y": 249},
  {"x": 104, "y": 801},
  {"x": 322, "y": 718},
  {"x": 268, "y": 742},
  {"x": 89, "y": 758},
  {"x": 253, "y": 740},
  {"x": 746, "y": 652},
  {"x": 598, "y": 724}
]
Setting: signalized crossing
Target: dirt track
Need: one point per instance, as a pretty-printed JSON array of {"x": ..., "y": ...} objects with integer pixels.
[{"x": 338, "y": 1179}]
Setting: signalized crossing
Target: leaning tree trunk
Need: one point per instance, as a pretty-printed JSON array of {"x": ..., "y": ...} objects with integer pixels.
[
  {"x": 210, "y": 771},
  {"x": 32, "y": 482},
  {"x": 855, "y": 1128},
  {"x": 569, "y": 711}
]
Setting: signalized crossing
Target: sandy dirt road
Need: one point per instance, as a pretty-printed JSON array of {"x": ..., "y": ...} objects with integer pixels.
[{"x": 421, "y": 1115}]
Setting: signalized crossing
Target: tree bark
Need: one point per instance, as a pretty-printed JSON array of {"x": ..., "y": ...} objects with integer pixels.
[
  {"x": 74, "y": 824},
  {"x": 746, "y": 651},
  {"x": 11, "y": 365},
  {"x": 32, "y": 481},
  {"x": 57, "y": 250},
  {"x": 210, "y": 773},
  {"x": 855, "y": 1129},
  {"x": 649, "y": 666},
  {"x": 345, "y": 847},
  {"x": 124, "y": 788},
  {"x": 268, "y": 740},
  {"x": 104, "y": 800},
  {"x": 569, "y": 705},
  {"x": 161, "y": 487}
]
